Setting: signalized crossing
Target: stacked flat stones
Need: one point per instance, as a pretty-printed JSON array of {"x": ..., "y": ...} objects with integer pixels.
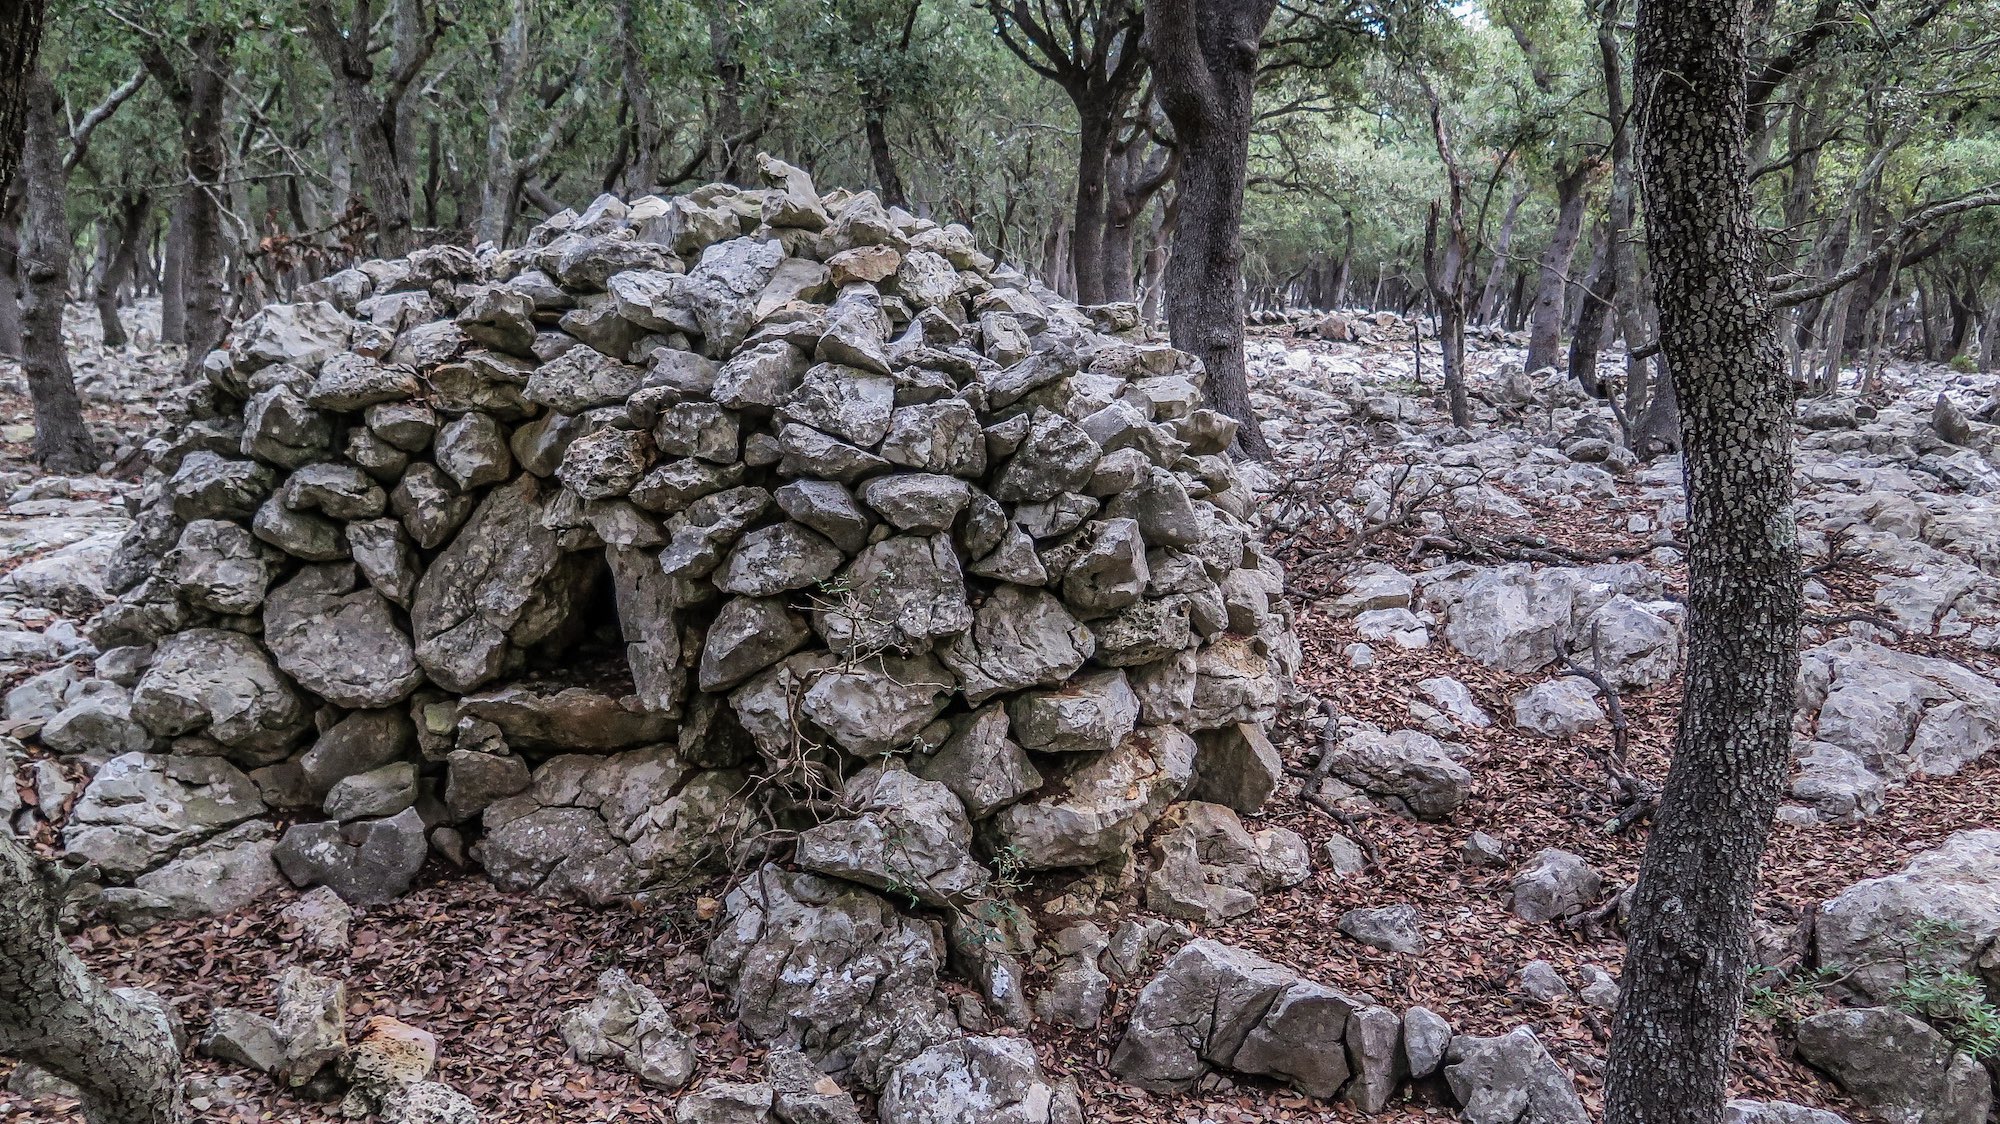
[{"x": 862, "y": 499}]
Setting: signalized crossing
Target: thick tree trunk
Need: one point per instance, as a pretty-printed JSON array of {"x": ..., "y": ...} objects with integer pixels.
[
  {"x": 20, "y": 43},
  {"x": 1204, "y": 55},
  {"x": 1689, "y": 938},
  {"x": 369, "y": 126},
  {"x": 62, "y": 441},
  {"x": 1086, "y": 229},
  {"x": 1545, "y": 323},
  {"x": 114, "y": 1044}
]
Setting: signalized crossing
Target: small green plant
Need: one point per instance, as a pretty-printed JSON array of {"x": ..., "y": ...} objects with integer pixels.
[
  {"x": 1954, "y": 1001},
  {"x": 1964, "y": 364},
  {"x": 1787, "y": 999}
]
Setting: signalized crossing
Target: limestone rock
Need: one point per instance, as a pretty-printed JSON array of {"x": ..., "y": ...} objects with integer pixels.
[
  {"x": 833, "y": 971},
  {"x": 1901, "y": 1069},
  {"x": 1510, "y": 1079}
]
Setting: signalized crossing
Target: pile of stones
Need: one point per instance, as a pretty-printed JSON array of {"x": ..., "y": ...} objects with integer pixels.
[{"x": 593, "y": 561}]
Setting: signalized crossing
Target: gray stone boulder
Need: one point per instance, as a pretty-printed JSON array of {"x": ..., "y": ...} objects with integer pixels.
[
  {"x": 1409, "y": 766},
  {"x": 1391, "y": 928},
  {"x": 1215, "y": 1006},
  {"x": 141, "y": 809},
  {"x": 833, "y": 971},
  {"x": 1019, "y": 638},
  {"x": 1901, "y": 1069},
  {"x": 1951, "y": 893},
  {"x": 904, "y": 592},
  {"x": 600, "y": 828},
  {"x": 878, "y": 704},
  {"x": 1208, "y": 867},
  {"x": 1091, "y": 713},
  {"x": 224, "y": 686},
  {"x": 991, "y": 1080},
  {"x": 1559, "y": 708},
  {"x": 1101, "y": 807},
  {"x": 981, "y": 764},
  {"x": 217, "y": 566},
  {"x": 1510, "y": 1079},
  {"x": 366, "y": 862},
  {"x": 341, "y": 643},
  {"x": 1555, "y": 885},
  {"x": 626, "y": 1022},
  {"x": 503, "y": 582},
  {"x": 1237, "y": 767},
  {"x": 908, "y": 837},
  {"x": 1741, "y": 1111},
  {"x": 218, "y": 875}
]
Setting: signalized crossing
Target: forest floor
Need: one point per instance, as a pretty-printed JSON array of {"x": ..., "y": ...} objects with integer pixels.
[{"x": 490, "y": 974}]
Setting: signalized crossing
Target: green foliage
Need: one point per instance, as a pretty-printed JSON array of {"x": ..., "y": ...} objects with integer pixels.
[{"x": 1955, "y": 1002}]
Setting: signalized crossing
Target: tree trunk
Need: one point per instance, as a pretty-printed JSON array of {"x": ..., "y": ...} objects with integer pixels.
[
  {"x": 173, "y": 272},
  {"x": 499, "y": 188},
  {"x": 1989, "y": 338},
  {"x": 1593, "y": 309},
  {"x": 1689, "y": 937},
  {"x": 645, "y": 135},
  {"x": 20, "y": 43},
  {"x": 368, "y": 124},
  {"x": 116, "y": 1045},
  {"x": 1204, "y": 55},
  {"x": 10, "y": 278},
  {"x": 874, "y": 116},
  {"x": 1086, "y": 229},
  {"x": 1132, "y": 179},
  {"x": 1152, "y": 287},
  {"x": 62, "y": 441},
  {"x": 728, "y": 130},
  {"x": 1545, "y": 323},
  {"x": 1503, "y": 245},
  {"x": 124, "y": 236},
  {"x": 205, "y": 280}
]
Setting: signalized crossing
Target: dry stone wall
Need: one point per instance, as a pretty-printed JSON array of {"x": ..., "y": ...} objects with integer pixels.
[{"x": 589, "y": 560}]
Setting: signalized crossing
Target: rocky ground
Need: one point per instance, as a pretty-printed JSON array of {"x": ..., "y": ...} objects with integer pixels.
[{"x": 1465, "y": 821}]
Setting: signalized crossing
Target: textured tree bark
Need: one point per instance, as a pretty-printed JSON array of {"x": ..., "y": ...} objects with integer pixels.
[
  {"x": 123, "y": 238},
  {"x": 1599, "y": 289},
  {"x": 62, "y": 441},
  {"x": 1132, "y": 178},
  {"x": 1204, "y": 55},
  {"x": 114, "y": 1044},
  {"x": 644, "y": 133},
  {"x": 1090, "y": 49},
  {"x": 875, "y": 115},
  {"x": 1689, "y": 938},
  {"x": 10, "y": 279},
  {"x": 20, "y": 43},
  {"x": 1503, "y": 245},
  {"x": 199, "y": 268},
  {"x": 1545, "y": 322},
  {"x": 371, "y": 125},
  {"x": 173, "y": 272}
]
